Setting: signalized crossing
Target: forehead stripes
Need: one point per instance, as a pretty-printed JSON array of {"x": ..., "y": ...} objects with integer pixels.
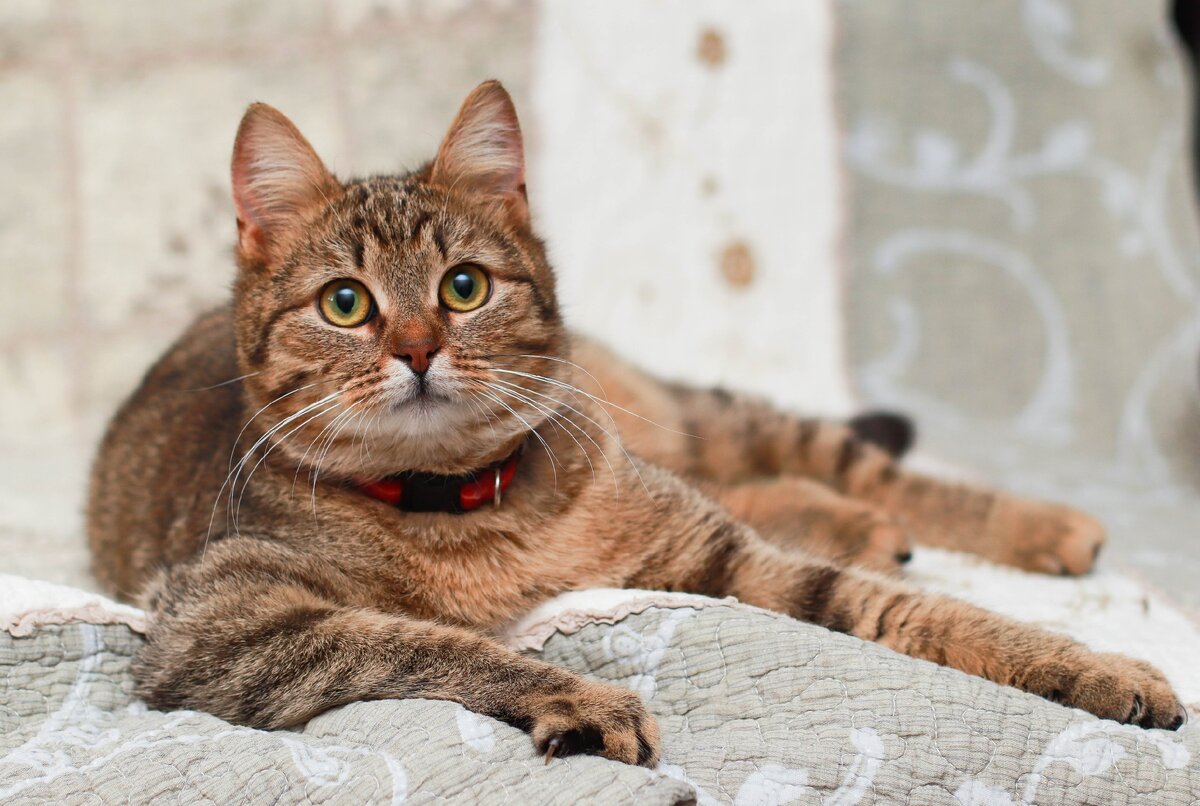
[{"x": 391, "y": 212}]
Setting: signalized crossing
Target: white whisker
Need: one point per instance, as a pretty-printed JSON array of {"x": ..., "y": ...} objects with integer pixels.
[
  {"x": 615, "y": 437},
  {"x": 363, "y": 442},
  {"x": 555, "y": 414},
  {"x": 225, "y": 383},
  {"x": 237, "y": 510},
  {"x": 556, "y": 359},
  {"x": 476, "y": 405},
  {"x": 241, "y": 463},
  {"x": 531, "y": 430},
  {"x": 311, "y": 444},
  {"x": 238, "y": 438},
  {"x": 601, "y": 401},
  {"x": 346, "y": 417}
]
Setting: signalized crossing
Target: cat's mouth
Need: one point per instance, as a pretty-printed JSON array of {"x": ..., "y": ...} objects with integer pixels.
[
  {"x": 417, "y": 391},
  {"x": 422, "y": 396}
]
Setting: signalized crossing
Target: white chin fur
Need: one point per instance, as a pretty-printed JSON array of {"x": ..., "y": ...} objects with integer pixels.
[{"x": 405, "y": 429}]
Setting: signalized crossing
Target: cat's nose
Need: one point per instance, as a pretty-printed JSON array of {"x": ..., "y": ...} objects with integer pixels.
[{"x": 417, "y": 354}]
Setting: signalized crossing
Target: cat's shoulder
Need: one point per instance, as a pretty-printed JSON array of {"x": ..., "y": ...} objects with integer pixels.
[{"x": 205, "y": 355}]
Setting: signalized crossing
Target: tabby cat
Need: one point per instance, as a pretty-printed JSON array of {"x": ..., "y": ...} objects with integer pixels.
[{"x": 389, "y": 446}]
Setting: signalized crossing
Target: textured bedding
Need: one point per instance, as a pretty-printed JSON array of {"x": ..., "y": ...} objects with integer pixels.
[{"x": 754, "y": 708}]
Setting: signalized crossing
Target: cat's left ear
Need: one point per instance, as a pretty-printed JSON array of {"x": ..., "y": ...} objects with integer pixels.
[{"x": 483, "y": 153}]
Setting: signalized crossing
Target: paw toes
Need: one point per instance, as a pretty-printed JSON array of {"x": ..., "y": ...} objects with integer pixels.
[
  {"x": 1130, "y": 691},
  {"x": 1047, "y": 564},
  {"x": 1171, "y": 717},
  {"x": 1057, "y": 541},
  {"x": 561, "y": 742},
  {"x": 886, "y": 548},
  {"x": 600, "y": 720},
  {"x": 647, "y": 749},
  {"x": 1080, "y": 548}
]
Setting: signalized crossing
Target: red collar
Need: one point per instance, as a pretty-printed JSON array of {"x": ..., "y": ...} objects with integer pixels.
[{"x": 413, "y": 491}]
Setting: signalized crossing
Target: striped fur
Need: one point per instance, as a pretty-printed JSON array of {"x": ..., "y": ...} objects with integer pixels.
[{"x": 221, "y": 496}]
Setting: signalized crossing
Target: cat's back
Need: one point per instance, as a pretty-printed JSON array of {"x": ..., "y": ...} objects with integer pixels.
[{"x": 163, "y": 457}]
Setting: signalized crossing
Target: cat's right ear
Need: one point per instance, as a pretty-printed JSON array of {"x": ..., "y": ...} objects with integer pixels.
[{"x": 278, "y": 181}]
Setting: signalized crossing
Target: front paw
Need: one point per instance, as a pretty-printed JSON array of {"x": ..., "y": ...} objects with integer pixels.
[
  {"x": 1047, "y": 538},
  {"x": 878, "y": 543},
  {"x": 597, "y": 719},
  {"x": 848, "y": 533},
  {"x": 1118, "y": 688}
]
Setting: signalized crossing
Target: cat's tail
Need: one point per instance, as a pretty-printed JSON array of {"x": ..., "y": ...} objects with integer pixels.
[{"x": 893, "y": 432}]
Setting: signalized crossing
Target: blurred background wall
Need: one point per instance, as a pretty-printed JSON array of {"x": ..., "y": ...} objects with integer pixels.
[{"x": 977, "y": 211}]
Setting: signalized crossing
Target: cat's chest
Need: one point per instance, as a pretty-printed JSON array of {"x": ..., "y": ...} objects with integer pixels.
[{"x": 479, "y": 577}]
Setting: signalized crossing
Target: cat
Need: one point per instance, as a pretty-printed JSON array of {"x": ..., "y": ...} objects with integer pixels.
[{"x": 388, "y": 447}]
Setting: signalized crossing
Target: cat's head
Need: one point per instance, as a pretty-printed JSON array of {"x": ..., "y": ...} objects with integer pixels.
[{"x": 391, "y": 318}]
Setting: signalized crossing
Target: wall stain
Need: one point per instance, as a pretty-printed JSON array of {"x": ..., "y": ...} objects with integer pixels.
[
  {"x": 737, "y": 264},
  {"x": 711, "y": 49}
]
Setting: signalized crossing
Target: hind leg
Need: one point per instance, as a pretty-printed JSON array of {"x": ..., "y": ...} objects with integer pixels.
[
  {"x": 798, "y": 513},
  {"x": 711, "y": 436}
]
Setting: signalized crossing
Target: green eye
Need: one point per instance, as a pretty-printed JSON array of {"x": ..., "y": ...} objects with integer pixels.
[
  {"x": 346, "y": 303},
  {"x": 464, "y": 288}
]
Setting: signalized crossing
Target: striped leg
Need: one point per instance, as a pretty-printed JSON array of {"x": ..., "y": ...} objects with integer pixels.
[
  {"x": 743, "y": 439},
  {"x": 952, "y": 633},
  {"x": 255, "y": 634},
  {"x": 796, "y": 513}
]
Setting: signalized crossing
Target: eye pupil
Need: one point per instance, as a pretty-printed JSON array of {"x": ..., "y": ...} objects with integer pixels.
[
  {"x": 345, "y": 303},
  {"x": 345, "y": 299},
  {"x": 463, "y": 285},
  {"x": 464, "y": 288}
]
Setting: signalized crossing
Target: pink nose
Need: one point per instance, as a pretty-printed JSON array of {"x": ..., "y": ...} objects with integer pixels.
[{"x": 417, "y": 354}]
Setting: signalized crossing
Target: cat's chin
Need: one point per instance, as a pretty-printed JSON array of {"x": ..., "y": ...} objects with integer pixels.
[
  {"x": 434, "y": 433},
  {"x": 423, "y": 402},
  {"x": 429, "y": 419}
]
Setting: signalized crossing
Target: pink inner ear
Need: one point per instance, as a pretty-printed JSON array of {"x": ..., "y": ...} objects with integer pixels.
[
  {"x": 252, "y": 216},
  {"x": 484, "y": 152},
  {"x": 244, "y": 203},
  {"x": 277, "y": 177}
]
